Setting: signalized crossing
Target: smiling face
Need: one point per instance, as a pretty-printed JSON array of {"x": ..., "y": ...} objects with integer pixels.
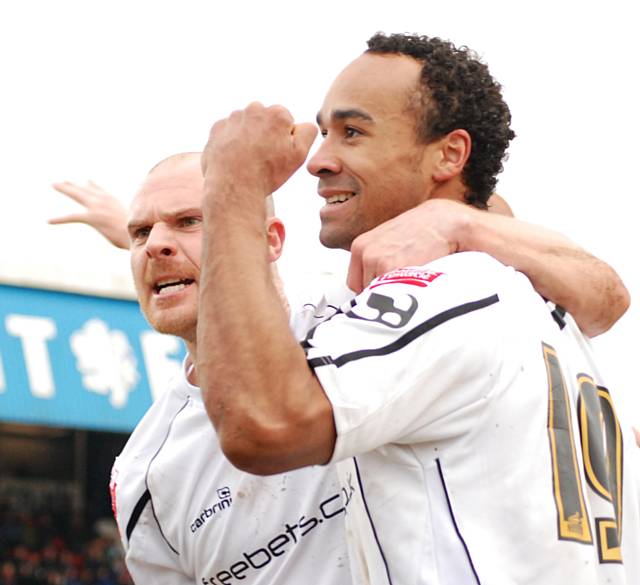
[
  {"x": 165, "y": 228},
  {"x": 371, "y": 166}
]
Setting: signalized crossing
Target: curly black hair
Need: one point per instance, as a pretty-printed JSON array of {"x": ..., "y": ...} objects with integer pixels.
[{"x": 458, "y": 92}]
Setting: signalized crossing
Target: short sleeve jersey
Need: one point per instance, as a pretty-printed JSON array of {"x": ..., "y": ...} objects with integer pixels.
[
  {"x": 477, "y": 441},
  {"x": 187, "y": 516}
]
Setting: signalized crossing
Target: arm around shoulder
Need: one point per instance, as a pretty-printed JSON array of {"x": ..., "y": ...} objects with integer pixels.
[{"x": 561, "y": 271}]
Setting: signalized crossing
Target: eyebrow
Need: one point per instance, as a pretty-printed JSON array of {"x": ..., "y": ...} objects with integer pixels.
[
  {"x": 182, "y": 211},
  {"x": 135, "y": 223},
  {"x": 344, "y": 115}
]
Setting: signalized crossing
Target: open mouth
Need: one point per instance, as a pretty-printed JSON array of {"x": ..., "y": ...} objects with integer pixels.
[
  {"x": 341, "y": 198},
  {"x": 171, "y": 286}
]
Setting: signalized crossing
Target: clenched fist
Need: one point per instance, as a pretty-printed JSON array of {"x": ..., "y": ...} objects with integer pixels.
[{"x": 255, "y": 150}]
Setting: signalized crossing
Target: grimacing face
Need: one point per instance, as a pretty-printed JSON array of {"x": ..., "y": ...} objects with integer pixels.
[
  {"x": 165, "y": 228},
  {"x": 370, "y": 166}
]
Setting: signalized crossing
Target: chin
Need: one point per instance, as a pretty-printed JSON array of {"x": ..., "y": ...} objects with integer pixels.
[
  {"x": 331, "y": 239},
  {"x": 180, "y": 326}
]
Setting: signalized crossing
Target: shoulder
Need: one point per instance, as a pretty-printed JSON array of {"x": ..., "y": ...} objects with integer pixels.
[
  {"x": 470, "y": 265},
  {"x": 153, "y": 426},
  {"x": 453, "y": 296},
  {"x": 444, "y": 283},
  {"x": 128, "y": 485},
  {"x": 458, "y": 278}
]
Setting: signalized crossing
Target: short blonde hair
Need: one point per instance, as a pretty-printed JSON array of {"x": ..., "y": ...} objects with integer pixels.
[
  {"x": 175, "y": 158},
  {"x": 185, "y": 156}
]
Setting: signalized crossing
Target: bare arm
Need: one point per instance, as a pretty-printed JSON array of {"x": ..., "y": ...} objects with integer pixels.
[
  {"x": 269, "y": 411},
  {"x": 103, "y": 211},
  {"x": 560, "y": 270}
]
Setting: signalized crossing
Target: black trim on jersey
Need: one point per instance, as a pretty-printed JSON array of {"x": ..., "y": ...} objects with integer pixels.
[
  {"x": 455, "y": 524},
  {"x": 312, "y": 306},
  {"x": 373, "y": 528},
  {"x": 137, "y": 510},
  {"x": 321, "y": 361},
  {"x": 147, "y": 474},
  {"x": 408, "y": 337},
  {"x": 306, "y": 346},
  {"x": 558, "y": 316}
]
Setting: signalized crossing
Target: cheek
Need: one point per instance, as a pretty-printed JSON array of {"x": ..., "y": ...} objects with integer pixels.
[
  {"x": 193, "y": 249},
  {"x": 379, "y": 172},
  {"x": 137, "y": 268}
]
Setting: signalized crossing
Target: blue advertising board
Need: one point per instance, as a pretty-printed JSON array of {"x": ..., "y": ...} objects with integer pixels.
[{"x": 79, "y": 361}]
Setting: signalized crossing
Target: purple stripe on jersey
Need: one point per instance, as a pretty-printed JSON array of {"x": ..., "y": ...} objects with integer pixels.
[
  {"x": 455, "y": 524},
  {"x": 373, "y": 528}
]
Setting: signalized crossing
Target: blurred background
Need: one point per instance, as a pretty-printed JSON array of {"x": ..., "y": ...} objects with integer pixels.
[{"x": 103, "y": 91}]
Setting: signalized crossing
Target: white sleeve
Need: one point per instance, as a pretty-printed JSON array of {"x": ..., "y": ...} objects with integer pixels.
[
  {"x": 142, "y": 571},
  {"x": 150, "y": 560},
  {"x": 415, "y": 356}
]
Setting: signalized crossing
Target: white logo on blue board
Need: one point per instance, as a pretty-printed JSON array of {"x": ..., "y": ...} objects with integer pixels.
[{"x": 106, "y": 361}]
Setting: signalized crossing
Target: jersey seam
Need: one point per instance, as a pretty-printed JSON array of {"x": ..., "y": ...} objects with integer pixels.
[
  {"x": 146, "y": 477},
  {"x": 371, "y": 523},
  {"x": 455, "y": 524}
]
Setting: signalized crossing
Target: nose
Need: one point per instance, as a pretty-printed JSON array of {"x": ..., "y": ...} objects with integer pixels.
[
  {"x": 160, "y": 242},
  {"x": 325, "y": 161}
]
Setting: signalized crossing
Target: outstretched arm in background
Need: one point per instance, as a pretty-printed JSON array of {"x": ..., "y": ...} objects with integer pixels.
[
  {"x": 103, "y": 211},
  {"x": 560, "y": 270}
]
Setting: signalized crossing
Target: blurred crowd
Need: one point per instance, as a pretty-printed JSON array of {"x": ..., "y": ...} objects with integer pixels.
[{"x": 41, "y": 549}]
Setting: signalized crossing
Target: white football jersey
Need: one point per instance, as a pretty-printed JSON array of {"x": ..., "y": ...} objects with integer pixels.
[
  {"x": 187, "y": 516},
  {"x": 476, "y": 439}
]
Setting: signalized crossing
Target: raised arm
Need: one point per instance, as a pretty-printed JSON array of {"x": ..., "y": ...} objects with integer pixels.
[
  {"x": 102, "y": 211},
  {"x": 560, "y": 270},
  {"x": 269, "y": 410}
]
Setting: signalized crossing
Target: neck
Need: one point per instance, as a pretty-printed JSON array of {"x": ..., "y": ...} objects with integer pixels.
[
  {"x": 453, "y": 189},
  {"x": 192, "y": 357}
]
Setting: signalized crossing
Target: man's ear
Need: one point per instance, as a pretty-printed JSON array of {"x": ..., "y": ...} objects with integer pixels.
[
  {"x": 452, "y": 153},
  {"x": 275, "y": 237}
]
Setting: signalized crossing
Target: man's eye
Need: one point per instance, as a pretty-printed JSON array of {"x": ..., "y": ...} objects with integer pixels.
[
  {"x": 190, "y": 221},
  {"x": 140, "y": 234},
  {"x": 350, "y": 132},
  {"x": 323, "y": 133}
]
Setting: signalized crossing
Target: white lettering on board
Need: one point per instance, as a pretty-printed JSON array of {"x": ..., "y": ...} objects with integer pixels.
[{"x": 34, "y": 332}]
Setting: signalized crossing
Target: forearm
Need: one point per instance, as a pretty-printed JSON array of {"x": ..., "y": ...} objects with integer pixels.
[
  {"x": 560, "y": 270},
  {"x": 258, "y": 390}
]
